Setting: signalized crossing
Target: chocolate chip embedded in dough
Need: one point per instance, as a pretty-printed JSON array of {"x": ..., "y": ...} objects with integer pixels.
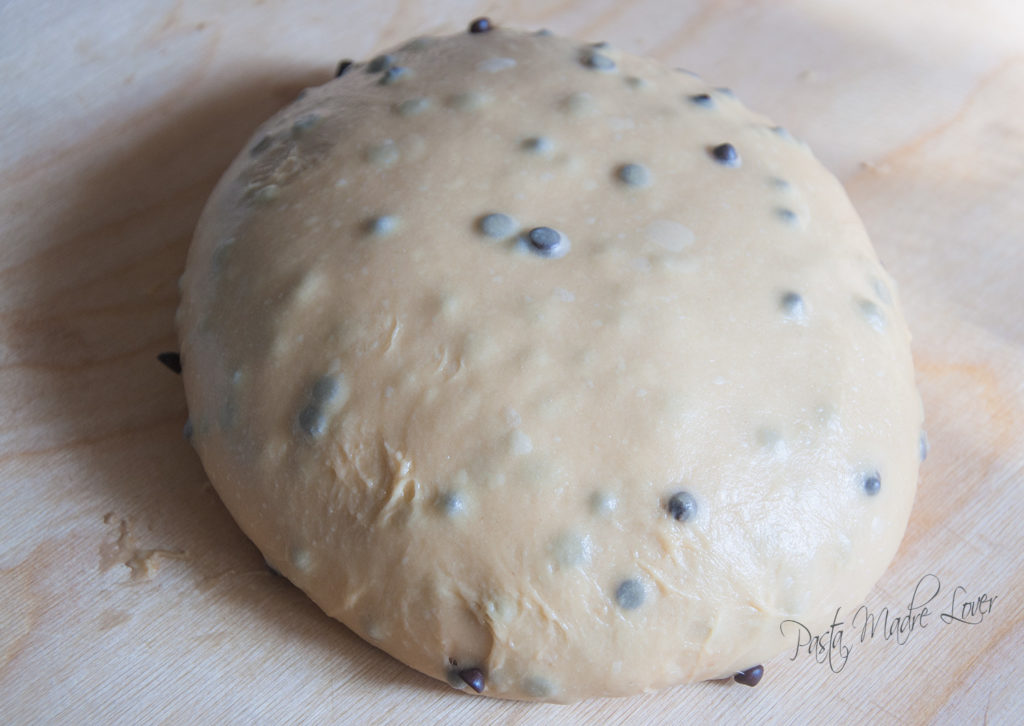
[
  {"x": 750, "y": 677},
  {"x": 597, "y": 61},
  {"x": 450, "y": 503},
  {"x": 380, "y": 63},
  {"x": 412, "y": 106},
  {"x": 344, "y": 67},
  {"x": 312, "y": 420},
  {"x": 634, "y": 175},
  {"x": 383, "y": 226},
  {"x": 682, "y": 506},
  {"x": 702, "y": 99},
  {"x": 726, "y": 155},
  {"x": 872, "y": 483},
  {"x": 787, "y": 215},
  {"x": 498, "y": 225},
  {"x": 481, "y": 25},
  {"x": 538, "y": 145},
  {"x": 393, "y": 75},
  {"x": 792, "y": 305},
  {"x": 474, "y": 678},
  {"x": 630, "y": 594},
  {"x": 546, "y": 241}
]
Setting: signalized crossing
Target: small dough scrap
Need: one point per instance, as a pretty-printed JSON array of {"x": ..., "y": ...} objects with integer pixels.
[{"x": 549, "y": 369}]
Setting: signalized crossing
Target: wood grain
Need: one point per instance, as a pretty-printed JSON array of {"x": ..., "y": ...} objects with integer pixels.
[{"x": 127, "y": 594}]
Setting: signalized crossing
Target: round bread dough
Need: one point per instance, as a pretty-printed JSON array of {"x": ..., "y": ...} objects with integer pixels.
[{"x": 550, "y": 370}]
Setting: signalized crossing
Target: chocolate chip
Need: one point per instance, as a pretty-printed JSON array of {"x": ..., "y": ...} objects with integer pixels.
[
  {"x": 312, "y": 421},
  {"x": 539, "y": 145},
  {"x": 413, "y": 106},
  {"x": 871, "y": 313},
  {"x": 682, "y": 506},
  {"x": 393, "y": 75},
  {"x": 304, "y": 124},
  {"x": 792, "y": 305},
  {"x": 171, "y": 359},
  {"x": 473, "y": 677},
  {"x": 702, "y": 99},
  {"x": 450, "y": 503},
  {"x": 630, "y": 594},
  {"x": 872, "y": 483},
  {"x": 726, "y": 155},
  {"x": 324, "y": 389},
  {"x": 380, "y": 63},
  {"x": 498, "y": 225},
  {"x": 383, "y": 225},
  {"x": 343, "y": 67},
  {"x": 786, "y": 215},
  {"x": 750, "y": 677},
  {"x": 597, "y": 61},
  {"x": 481, "y": 25},
  {"x": 545, "y": 241},
  {"x": 635, "y": 175}
]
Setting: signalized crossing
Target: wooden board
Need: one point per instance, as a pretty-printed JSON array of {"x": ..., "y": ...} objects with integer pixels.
[{"x": 127, "y": 594}]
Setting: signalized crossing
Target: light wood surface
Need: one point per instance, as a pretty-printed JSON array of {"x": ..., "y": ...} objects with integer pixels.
[{"x": 127, "y": 594}]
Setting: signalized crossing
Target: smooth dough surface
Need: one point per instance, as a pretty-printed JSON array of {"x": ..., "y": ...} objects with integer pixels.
[{"x": 598, "y": 459}]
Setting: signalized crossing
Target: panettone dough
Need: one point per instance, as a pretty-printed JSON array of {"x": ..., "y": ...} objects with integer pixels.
[{"x": 549, "y": 366}]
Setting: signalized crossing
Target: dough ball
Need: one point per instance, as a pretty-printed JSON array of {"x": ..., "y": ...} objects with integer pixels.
[{"x": 549, "y": 370}]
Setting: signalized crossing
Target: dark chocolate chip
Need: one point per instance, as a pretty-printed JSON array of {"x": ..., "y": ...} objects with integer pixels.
[
  {"x": 545, "y": 240},
  {"x": 792, "y": 304},
  {"x": 750, "y": 677},
  {"x": 393, "y": 75},
  {"x": 171, "y": 359},
  {"x": 343, "y": 67},
  {"x": 383, "y": 225},
  {"x": 630, "y": 594},
  {"x": 312, "y": 420},
  {"x": 473, "y": 677},
  {"x": 682, "y": 506},
  {"x": 726, "y": 154},
  {"x": 539, "y": 145},
  {"x": 450, "y": 503},
  {"x": 324, "y": 389},
  {"x": 481, "y": 25},
  {"x": 497, "y": 225},
  {"x": 380, "y": 63},
  {"x": 786, "y": 215},
  {"x": 634, "y": 175},
  {"x": 702, "y": 99},
  {"x": 872, "y": 483},
  {"x": 597, "y": 61}
]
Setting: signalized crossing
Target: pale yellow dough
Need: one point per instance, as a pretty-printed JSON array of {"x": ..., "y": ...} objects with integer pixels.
[{"x": 466, "y": 451}]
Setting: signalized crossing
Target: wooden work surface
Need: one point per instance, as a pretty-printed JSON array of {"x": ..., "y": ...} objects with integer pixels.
[{"x": 128, "y": 595}]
